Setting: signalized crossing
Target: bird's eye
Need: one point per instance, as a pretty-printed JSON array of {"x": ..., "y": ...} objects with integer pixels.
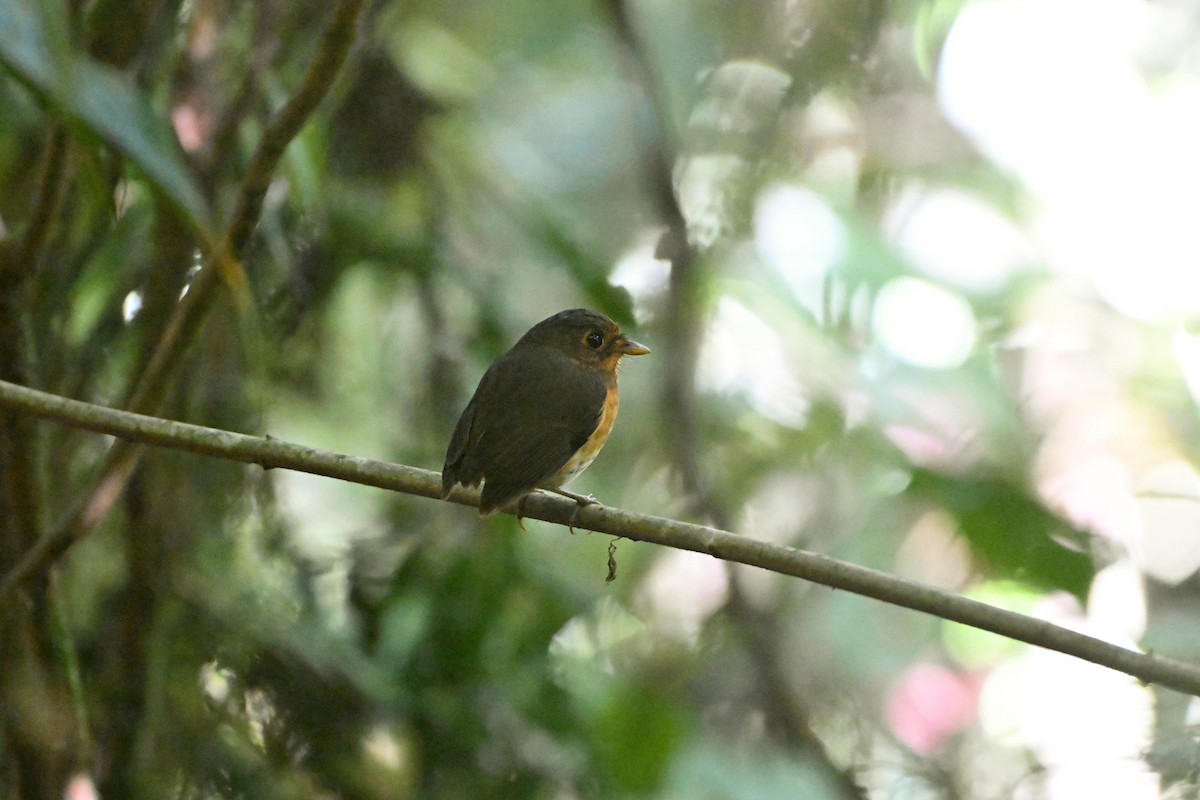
[{"x": 594, "y": 340}]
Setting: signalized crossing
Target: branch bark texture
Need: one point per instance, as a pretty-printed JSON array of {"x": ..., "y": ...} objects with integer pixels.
[{"x": 274, "y": 453}]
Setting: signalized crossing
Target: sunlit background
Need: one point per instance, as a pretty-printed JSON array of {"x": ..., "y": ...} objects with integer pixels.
[{"x": 986, "y": 251}]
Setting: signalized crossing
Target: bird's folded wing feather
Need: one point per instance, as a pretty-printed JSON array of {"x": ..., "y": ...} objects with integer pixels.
[{"x": 546, "y": 407}]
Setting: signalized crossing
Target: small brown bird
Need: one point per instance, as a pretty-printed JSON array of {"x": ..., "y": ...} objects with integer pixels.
[{"x": 541, "y": 412}]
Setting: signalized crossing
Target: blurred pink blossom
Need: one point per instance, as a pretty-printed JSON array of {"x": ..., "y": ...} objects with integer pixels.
[{"x": 929, "y": 703}]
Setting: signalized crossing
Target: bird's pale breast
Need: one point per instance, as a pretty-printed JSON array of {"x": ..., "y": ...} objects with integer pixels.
[{"x": 584, "y": 456}]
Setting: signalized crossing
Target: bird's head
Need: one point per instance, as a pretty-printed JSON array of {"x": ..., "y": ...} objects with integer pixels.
[{"x": 585, "y": 336}]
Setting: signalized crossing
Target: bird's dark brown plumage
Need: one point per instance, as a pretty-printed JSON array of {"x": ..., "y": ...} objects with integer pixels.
[{"x": 537, "y": 406}]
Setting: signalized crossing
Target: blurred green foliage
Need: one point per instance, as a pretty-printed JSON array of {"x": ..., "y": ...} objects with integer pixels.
[{"x": 226, "y": 632}]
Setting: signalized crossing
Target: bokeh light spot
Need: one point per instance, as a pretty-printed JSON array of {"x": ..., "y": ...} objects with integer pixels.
[
  {"x": 797, "y": 233},
  {"x": 953, "y": 236},
  {"x": 923, "y": 324}
]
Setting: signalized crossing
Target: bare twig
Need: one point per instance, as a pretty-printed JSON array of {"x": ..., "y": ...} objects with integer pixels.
[
  {"x": 27, "y": 653},
  {"x": 192, "y": 310},
  {"x": 18, "y": 448},
  {"x": 54, "y": 178},
  {"x": 275, "y": 453}
]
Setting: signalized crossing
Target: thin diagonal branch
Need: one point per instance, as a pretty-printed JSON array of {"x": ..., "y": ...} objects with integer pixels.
[
  {"x": 274, "y": 453},
  {"x": 193, "y": 308},
  {"x": 49, "y": 199},
  {"x": 325, "y": 66},
  {"x": 189, "y": 315}
]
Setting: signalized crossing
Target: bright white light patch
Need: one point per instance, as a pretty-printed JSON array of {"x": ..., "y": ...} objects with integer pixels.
[
  {"x": 1187, "y": 353},
  {"x": 741, "y": 353},
  {"x": 1169, "y": 502},
  {"x": 704, "y": 195},
  {"x": 1063, "y": 106},
  {"x": 954, "y": 236},
  {"x": 641, "y": 274},
  {"x": 385, "y": 748},
  {"x": 797, "y": 233},
  {"x": 1047, "y": 702},
  {"x": 131, "y": 306},
  {"x": 1109, "y": 156},
  {"x": 1117, "y": 602},
  {"x": 683, "y": 590},
  {"x": 924, "y": 325}
]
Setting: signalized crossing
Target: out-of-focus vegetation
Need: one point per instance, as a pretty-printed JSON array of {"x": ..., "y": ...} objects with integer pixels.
[{"x": 932, "y": 312}]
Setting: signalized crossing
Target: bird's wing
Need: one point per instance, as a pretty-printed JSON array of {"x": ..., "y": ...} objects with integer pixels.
[
  {"x": 453, "y": 471},
  {"x": 542, "y": 408}
]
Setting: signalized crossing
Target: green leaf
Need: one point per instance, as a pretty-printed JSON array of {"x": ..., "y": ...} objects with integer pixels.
[
  {"x": 978, "y": 649},
  {"x": 636, "y": 734},
  {"x": 1010, "y": 530},
  {"x": 34, "y": 46}
]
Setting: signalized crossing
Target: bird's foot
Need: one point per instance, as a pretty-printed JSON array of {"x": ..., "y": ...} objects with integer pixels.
[
  {"x": 581, "y": 500},
  {"x": 521, "y": 512}
]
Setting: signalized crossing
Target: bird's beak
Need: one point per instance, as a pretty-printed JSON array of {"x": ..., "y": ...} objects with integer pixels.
[{"x": 628, "y": 347}]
